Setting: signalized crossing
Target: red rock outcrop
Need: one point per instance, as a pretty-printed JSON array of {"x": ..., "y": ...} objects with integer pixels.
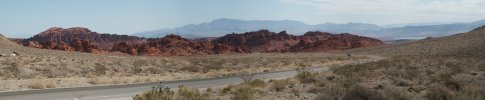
[
  {"x": 76, "y": 45},
  {"x": 85, "y": 46},
  {"x": 257, "y": 41},
  {"x": 104, "y": 41},
  {"x": 125, "y": 48},
  {"x": 174, "y": 45},
  {"x": 266, "y": 41},
  {"x": 83, "y": 40},
  {"x": 320, "y": 41},
  {"x": 34, "y": 44}
]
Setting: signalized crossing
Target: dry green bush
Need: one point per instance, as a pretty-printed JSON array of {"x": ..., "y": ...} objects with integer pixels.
[
  {"x": 362, "y": 93},
  {"x": 212, "y": 67},
  {"x": 245, "y": 93},
  {"x": 306, "y": 77},
  {"x": 439, "y": 93},
  {"x": 256, "y": 83},
  {"x": 100, "y": 69},
  {"x": 41, "y": 85},
  {"x": 279, "y": 85},
  {"x": 481, "y": 66},
  {"x": 226, "y": 89},
  {"x": 37, "y": 85},
  {"x": 156, "y": 94},
  {"x": 95, "y": 81},
  {"x": 191, "y": 69},
  {"x": 185, "y": 93}
]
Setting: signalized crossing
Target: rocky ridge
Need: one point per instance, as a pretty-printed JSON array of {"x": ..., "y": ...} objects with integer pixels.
[
  {"x": 266, "y": 41},
  {"x": 84, "y": 40}
]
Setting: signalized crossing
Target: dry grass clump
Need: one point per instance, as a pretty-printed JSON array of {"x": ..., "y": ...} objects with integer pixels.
[
  {"x": 41, "y": 85},
  {"x": 156, "y": 94},
  {"x": 244, "y": 93},
  {"x": 185, "y": 93},
  {"x": 306, "y": 77},
  {"x": 95, "y": 81},
  {"x": 279, "y": 85},
  {"x": 256, "y": 83}
]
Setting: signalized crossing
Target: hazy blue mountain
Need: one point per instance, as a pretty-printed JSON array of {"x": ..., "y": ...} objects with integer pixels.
[
  {"x": 225, "y": 26},
  {"x": 415, "y": 24},
  {"x": 355, "y": 28},
  {"x": 426, "y": 30}
]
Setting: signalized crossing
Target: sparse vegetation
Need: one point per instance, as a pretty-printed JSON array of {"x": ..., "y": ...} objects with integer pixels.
[
  {"x": 279, "y": 85},
  {"x": 156, "y": 94},
  {"x": 448, "y": 78},
  {"x": 95, "y": 81},
  {"x": 85, "y": 69},
  {"x": 41, "y": 85},
  {"x": 256, "y": 83},
  {"x": 185, "y": 93},
  {"x": 305, "y": 77},
  {"x": 244, "y": 93}
]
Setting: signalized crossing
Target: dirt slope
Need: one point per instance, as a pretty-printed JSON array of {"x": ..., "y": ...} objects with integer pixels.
[{"x": 464, "y": 45}]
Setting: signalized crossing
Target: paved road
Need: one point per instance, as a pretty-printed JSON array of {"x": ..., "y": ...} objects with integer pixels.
[{"x": 126, "y": 92}]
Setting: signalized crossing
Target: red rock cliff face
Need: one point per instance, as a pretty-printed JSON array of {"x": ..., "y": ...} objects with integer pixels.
[
  {"x": 266, "y": 41},
  {"x": 76, "y": 45},
  {"x": 104, "y": 41},
  {"x": 320, "y": 41},
  {"x": 262, "y": 40}
]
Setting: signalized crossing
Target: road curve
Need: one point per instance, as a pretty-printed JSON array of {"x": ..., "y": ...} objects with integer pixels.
[{"x": 126, "y": 92}]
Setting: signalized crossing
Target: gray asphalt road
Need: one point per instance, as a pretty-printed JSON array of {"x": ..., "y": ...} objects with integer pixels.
[{"x": 125, "y": 92}]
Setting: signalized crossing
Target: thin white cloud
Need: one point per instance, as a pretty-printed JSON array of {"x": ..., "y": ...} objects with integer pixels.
[{"x": 392, "y": 11}]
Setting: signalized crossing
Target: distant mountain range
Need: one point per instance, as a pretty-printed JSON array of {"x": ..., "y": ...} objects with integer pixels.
[
  {"x": 220, "y": 27},
  {"x": 224, "y": 26}
]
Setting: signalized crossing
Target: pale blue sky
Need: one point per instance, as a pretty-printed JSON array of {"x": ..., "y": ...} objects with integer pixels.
[{"x": 24, "y": 18}]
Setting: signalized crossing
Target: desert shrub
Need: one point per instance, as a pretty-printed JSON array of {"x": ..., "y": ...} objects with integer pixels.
[
  {"x": 191, "y": 68},
  {"x": 306, "y": 77},
  {"x": 137, "y": 70},
  {"x": 185, "y": 93},
  {"x": 51, "y": 85},
  {"x": 279, "y": 85},
  {"x": 390, "y": 93},
  {"x": 156, "y": 94},
  {"x": 244, "y": 93},
  {"x": 348, "y": 70},
  {"x": 139, "y": 63},
  {"x": 481, "y": 66},
  {"x": 362, "y": 93},
  {"x": 256, "y": 83},
  {"x": 471, "y": 92},
  {"x": 100, "y": 69},
  {"x": 211, "y": 67},
  {"x": 208, "y": 90},
  {"x": 37, "y": 85},
  {"x": 13, "y": 69},
  {"x": 335, "y": 92},
  {"x": 439, "y": 93},
  {"x": 393, "y": 71},
  {"x": 95, "y": 81},
  {"x": 226, "y": 90}
]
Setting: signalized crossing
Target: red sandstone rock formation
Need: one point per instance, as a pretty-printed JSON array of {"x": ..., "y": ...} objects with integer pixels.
[
  {"x": 262, "y": 40},
  {"x": 104, "y": 41},
  {"x": 83, "y": 40},
  {"x": 174, "y": 45},
  {"x": 267, "y": 41}
]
